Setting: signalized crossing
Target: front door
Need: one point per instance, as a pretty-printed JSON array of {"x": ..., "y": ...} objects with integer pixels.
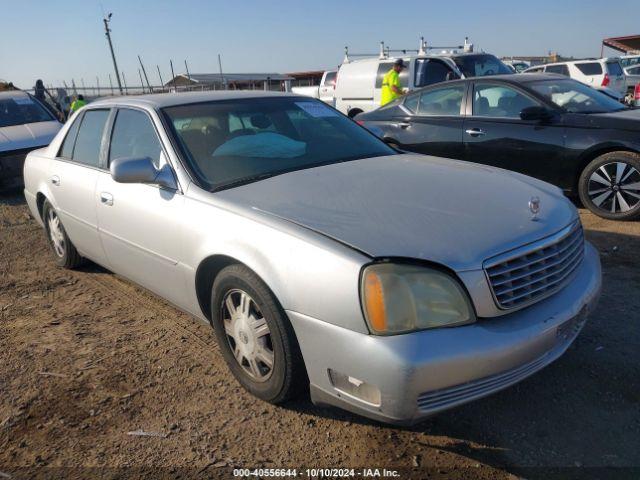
[
  {"x": 495, "y": 135},
  {"x": 140, "y": 224},
  {"x": 73, "y": 178}
]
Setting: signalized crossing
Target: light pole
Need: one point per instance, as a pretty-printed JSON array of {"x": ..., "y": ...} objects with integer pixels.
[{"x": 107, "y": 32}]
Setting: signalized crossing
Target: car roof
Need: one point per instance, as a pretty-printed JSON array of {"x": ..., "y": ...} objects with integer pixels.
[
  {"x": 162, "y": 100},
  {"x": 13, "y": 94}
]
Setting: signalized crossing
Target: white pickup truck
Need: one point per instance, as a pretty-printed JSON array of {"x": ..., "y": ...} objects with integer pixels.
[{"x": 325, "y": 91}]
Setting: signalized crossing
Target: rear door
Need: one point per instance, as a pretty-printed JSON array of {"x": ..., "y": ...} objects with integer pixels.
[
  {"x": 433, "y": 124},
  {"x": 73, "y": 178},
  {"x": 495, "y": 135}
]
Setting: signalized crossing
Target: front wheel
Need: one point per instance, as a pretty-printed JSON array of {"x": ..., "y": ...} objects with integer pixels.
[
  {"x": 255, "y": 336},
  {"x": 610, "y": 186},
  {"x": 64, "y": 251}
]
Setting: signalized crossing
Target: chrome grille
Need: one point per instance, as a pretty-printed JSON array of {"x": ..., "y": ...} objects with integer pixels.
[{"x": 535, "y": 271}]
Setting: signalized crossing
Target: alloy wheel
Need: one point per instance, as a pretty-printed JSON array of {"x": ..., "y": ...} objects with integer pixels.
[
  {"x": 615, "y": 187},
  {"x": 55, "y": 233},
  {"x": 248, "y": 335}
]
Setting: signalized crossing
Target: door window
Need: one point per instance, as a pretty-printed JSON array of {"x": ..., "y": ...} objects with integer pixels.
[
  {"x": 561, "y": 69},
  {"x": 134, "y": 136},
  {"x": 411, "y": 103},
  {"x": 442, "y": 101},
  {"x": 330, "y": 79},
  {"x": 89, "y": 139},
  {"x": 66, "y": 151},
  {"x": 499, "y": 101},
  {"x": 429, "y": 71},
  {"x": 384, "y": 67}
]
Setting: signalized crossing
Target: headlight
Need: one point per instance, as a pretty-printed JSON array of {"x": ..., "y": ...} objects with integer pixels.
[{"x": 399, "y": 298}]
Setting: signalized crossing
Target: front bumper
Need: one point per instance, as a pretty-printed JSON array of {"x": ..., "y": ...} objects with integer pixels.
[
  {"x": 423, "y": 373},
  {"x": 11, "y": 166}
]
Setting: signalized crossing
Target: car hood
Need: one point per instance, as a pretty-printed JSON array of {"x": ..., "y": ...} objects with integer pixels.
[
  {"x": 446, "y": 211},
  {"x": 28, "y": 135}
]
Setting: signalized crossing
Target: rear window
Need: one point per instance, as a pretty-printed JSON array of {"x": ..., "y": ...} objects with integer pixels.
[
  {"x": 21, "y": 110},
  {"x": 614, "y": 69},
  {"x": 592, "y": 68}
]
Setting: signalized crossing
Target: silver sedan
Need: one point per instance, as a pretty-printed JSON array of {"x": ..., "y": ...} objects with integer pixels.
[{"x": 389, "y": 284}]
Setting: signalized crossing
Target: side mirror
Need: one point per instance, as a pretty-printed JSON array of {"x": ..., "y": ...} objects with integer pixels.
[
  {"x": 536, "y": 113},
  {"x": 142, "y": 170}
]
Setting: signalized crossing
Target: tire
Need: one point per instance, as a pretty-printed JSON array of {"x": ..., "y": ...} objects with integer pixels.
[
  {"x": 64, "y": 251},
  {"x": 610, "y": 186},
  {"x": 353, "y": 112},
  {"x": 246, "y": 335}
]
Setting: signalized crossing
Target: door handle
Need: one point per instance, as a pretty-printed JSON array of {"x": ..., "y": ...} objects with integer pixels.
[
  {"x": 55, "y": 180},
  {"x": 106, "y": 198},
  {"x": 475, "y": 132}
]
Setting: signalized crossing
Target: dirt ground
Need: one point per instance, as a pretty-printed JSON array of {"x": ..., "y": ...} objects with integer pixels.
[{"x": 86, "y": 357}]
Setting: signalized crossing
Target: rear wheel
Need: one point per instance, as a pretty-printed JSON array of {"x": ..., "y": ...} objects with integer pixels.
[
  {"x": 610, "y": 186},
  {"x": 255, "y": 336},
  {"x": 64, "y": 251}
]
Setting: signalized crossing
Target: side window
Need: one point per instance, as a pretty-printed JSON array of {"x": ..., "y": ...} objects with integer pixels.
[
  {"x": 561, "y": 69},
  {"x": 442, "y": 101},
  {"x": 430, "y": 71},
  {"x": 591, "y": 68},
  {"x": 89, "y": 139},
  {"x": 634, "y": 71},
  {"x": 499, "y": 101},
  {"x": 534, "y": 70},
  {"x": 66, "y": 151},
  {"x": 134, "y": 136},
  {"x": 411, "y": 103},
  {"x": 330, "y": 79}
]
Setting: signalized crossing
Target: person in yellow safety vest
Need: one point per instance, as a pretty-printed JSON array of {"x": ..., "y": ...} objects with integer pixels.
[
  {"x": 78, "y": 103},
  {"x": 391, "y": 88}
]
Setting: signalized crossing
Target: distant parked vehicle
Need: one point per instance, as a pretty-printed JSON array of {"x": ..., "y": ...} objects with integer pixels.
[
  {"x": 600, "y": 73},
  {"x": 359, "y": 84},
  {"x": 25, "y": 124},
  {"x": 547, "y": 126},
  {"x": 518, "y": 66},
  {"x": 326, "y": 261},
  {"x": 325, "y": 91},
  {"x": 633, "y": 81}
]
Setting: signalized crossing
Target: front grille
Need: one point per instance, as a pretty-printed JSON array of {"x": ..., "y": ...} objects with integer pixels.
[{"x": 531, "y": 273}]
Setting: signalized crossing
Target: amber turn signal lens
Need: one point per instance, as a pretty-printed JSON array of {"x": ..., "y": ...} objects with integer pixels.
[{"x": 374, "y": 302}]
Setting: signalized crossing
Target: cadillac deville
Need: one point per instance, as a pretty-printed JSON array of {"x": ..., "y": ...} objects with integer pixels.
[{"x": 389, "y": 284}]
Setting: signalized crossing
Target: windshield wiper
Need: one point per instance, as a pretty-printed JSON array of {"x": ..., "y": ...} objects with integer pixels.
[{"x": 243, "y": 181}]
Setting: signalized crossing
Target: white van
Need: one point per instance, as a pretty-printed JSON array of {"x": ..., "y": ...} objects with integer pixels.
[
  {"x": 359, "y": 82},
  {"x": 324, "y": 91}
]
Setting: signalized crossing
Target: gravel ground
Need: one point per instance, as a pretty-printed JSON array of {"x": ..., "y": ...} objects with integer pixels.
[{"x": 86, "y": 357}]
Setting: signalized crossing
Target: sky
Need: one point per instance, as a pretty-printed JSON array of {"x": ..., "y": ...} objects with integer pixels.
[{"x": 64, "y": 40}]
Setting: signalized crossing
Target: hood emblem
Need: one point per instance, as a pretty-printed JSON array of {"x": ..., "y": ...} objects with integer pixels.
[{"x": 534, "y": 208}]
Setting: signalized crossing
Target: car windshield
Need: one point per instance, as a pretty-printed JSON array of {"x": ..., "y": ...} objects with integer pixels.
[
  {"x": 575, "y": 97},
  {"x": 480, "y": 65},
  {"x": 233, "y": 142},
  {"x": 21, "y": 110}
]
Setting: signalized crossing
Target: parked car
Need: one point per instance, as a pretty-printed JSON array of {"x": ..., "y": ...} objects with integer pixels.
[
  {"x": 390, "y": 286},
  {"x": 359, "y": 82},
  {"x": 629, "y": 60},
  {"x": 518, "y": 66},
  {"x": 632, "y": 77},
  {"x": 324, "y": 91},
  {"x": 601, "y": 73},
  {"x": 547, "y": 126},
  {"x": 25, "y": 124}
]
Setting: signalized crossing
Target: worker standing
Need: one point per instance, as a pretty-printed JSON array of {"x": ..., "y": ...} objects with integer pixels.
[
  {"x": 391, "y": 87},
  {"x": 78, "y": 103}
]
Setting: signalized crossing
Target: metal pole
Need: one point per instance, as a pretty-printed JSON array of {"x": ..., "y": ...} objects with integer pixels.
[
  {"x": 84, "y": 89},
  {"x": 145, "y": 74},
  {"x": 107, "y": 32},
  {"x": 187, "y": 67},
  {"x": 98, "y": 85},
  {"x": 160, "y": 75},
  {"x": 141, "y": 81},
  {"x": 111, "y": 84},
  {"x": 173, "y": 76},
  {"x": 224, "y": 85},
  {"x": 124, "y": 80}
]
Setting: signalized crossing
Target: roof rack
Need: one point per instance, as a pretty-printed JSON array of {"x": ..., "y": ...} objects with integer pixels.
[{"x": 423, "y": 49}]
